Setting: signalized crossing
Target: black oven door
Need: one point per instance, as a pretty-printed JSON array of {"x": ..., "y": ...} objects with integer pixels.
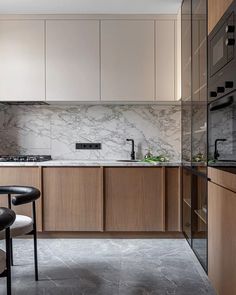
[
  {"x": 222, "y": 46},
  {"x": 222, "y": 129}
]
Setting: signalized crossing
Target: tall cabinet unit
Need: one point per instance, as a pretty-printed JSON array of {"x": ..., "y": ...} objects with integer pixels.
[
  {"x": 186, "y": 67},
  {"x": 194, "y": 129}
]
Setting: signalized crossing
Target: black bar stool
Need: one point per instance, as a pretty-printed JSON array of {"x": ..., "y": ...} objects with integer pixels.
[
  {"x": 23, "y": 225},
  {"x": 7, "y": 217}
]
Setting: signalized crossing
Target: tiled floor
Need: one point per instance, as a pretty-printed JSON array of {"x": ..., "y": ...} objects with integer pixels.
[{"x": 108, "y": 267}]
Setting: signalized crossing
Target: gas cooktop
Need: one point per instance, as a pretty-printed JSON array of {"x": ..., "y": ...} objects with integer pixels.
[{"x": 25, "y": 158}]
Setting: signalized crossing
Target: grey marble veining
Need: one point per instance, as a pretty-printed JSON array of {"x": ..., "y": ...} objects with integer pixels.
[
  {"x": 55, "y": 130},
  {"x": 108, "y": 267}
]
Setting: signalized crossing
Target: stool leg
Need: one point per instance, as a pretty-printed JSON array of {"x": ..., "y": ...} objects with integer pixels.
[
  {"x": 11, "y": 251},
  {"x": 35, "y": 244},
  {"x": 8, "y": 261},
  {"x": 36, "y": 257}
]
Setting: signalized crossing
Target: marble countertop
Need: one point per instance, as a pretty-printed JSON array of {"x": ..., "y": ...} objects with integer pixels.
[{"x": 85, "y": 163}]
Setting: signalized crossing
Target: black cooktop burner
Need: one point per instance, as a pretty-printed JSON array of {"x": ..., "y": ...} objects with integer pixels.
[{"x": 25, "y": 158}]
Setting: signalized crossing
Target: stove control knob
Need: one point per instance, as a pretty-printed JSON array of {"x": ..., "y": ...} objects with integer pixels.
[
  {"x": 213, "y": 94},
  {"x": 229, "y": 42},
  {"x": 229, "y": 29},
  {"x": 229, "y": 84},
  {"x": 220, "y": 89}
]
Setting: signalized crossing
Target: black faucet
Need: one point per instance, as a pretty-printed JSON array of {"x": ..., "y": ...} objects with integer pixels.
[
  {"x": 132, "y": 155},
  {"x": 216, "y": 152}
]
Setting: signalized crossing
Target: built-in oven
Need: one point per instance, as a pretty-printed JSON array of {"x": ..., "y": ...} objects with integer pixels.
[
  {"x": 222, "y": 55},
  {"x": 222, "y": 45},
  {"x": 222, "y": 130}
]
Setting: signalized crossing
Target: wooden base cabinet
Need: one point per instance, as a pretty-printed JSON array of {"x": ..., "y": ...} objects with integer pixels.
[
  {"x": 28, "y": 176},
  {"x": 222, "y": 239},
  {"x": 73, "y": 199},
  {"x": 134, "y": 199}
]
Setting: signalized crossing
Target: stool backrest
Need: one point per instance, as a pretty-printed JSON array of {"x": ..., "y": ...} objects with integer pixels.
[{"x": 22, "y": 194}]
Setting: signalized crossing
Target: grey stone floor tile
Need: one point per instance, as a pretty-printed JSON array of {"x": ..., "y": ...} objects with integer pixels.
[{"x": 107, "y": 267}]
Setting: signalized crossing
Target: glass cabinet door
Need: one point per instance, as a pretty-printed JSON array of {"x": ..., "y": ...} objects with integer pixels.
[
  {"x": 186, "y": 66},
  {"x": 186, "y": 193},
  {"x": 199, "y": 218},
  {"x": 186, "y": 49},
  {"x": 199, "y": 85}
]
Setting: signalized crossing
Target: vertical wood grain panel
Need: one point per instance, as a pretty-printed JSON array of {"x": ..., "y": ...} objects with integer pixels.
[
  {"x": 73, "y": 199},
  {"x": 28, "y": 176},
  {"x": 173, "y": 203},
  {"x": 222, "y": 239},
  {"x": 216, "y": 9},
  {"x": 134, "y": 199}
]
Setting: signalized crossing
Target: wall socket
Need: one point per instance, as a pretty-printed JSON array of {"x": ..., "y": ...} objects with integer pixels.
[{"x": 88, "y": 146}]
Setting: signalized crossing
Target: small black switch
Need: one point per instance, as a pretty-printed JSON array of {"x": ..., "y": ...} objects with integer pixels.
[{"x": 88, "y": 146}]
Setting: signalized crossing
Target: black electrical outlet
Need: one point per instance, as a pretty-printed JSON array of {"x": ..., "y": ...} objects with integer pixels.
[{"x": 88, "y": 146}]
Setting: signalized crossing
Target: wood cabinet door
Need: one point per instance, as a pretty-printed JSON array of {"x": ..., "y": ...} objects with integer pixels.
[
  {"x": 165, "y": 60},
  {"x": 172, "y": 198},
  {"x": 216, "y": 9},
  {"x": 72, "y": 60},
  {"x": 127, "y": 60},
  {"x": 22, "y": 62},
  {"x": 73, "y": 199},
  {"x": 28, "y": 176},
  {"x": 222, "y": 239},
  {"x": 134, "y": 199}
]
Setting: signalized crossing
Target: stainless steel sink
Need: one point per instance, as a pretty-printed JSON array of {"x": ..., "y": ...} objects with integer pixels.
[{"x": 127, "y": 161}]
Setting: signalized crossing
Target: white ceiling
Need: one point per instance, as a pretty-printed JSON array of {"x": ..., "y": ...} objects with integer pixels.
[{"x": 89, "y": 6}]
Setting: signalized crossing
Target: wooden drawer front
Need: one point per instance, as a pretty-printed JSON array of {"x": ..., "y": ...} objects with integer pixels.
[
  {"x": 222, "y": 178},
  {"x": 134, "y": 199},
  {"x": 28, "y": 176},
  {"x": 73, "y": 199},
  {"x": 222, "y": 239}
]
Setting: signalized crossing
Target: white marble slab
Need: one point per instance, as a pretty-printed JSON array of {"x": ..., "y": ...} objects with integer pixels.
[{"x": 55, "y": 129}]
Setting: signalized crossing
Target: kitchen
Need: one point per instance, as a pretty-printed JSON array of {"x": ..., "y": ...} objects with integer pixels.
[{"x": 117, "y": 147}]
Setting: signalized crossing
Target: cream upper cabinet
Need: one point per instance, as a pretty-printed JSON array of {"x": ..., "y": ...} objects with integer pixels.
[
  {"x": 127, "y": 60},
  {"x": 72, "y": 60},
  {"x": 165, "y": 60},
  {"x": 22, "y": 67}
]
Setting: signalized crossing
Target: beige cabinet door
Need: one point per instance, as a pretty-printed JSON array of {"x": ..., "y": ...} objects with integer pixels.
[
  {"x": 222, "y": 239},
  {"x": 134, "y": 199},
  {"x": 22, "y": 60},
  {"x": 165, "y": 60},
  {"x": 72, "y": 60},
  {"x": 28, "y": 176},
  {"x": 127, "y": 60},
  {"x": 73, "y": 199}
]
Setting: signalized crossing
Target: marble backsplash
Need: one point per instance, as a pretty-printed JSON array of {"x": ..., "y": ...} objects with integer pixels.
[{"x": 54, "y": 130}]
